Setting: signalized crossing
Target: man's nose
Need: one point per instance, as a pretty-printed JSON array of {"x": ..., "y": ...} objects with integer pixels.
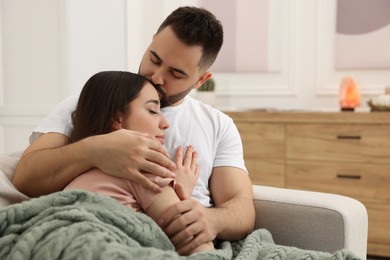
[{"x": 157, "y": 78}]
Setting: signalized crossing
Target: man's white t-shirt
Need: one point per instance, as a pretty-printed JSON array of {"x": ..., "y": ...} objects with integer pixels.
[{"x": 212, "y": 134}]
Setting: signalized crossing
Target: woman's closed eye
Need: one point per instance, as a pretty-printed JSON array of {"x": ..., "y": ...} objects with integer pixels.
[
  {"x": 153, "y": 112},
  {"x": 153, "y": 106}
]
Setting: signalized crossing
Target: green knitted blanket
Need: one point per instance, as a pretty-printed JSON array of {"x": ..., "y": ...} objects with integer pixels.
[{"x": 80, "y": 225}]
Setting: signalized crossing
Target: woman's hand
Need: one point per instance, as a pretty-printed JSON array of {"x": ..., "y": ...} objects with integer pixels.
[{"x": 187, "y": 170}]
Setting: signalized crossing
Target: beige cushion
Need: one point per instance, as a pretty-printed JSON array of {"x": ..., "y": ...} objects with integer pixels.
[{"x": 8, "y": 193}]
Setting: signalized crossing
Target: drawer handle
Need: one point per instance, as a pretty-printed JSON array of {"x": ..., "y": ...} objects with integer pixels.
[
  {"x": 346, "y": 176},
  {"x": 349, "y": 137}
]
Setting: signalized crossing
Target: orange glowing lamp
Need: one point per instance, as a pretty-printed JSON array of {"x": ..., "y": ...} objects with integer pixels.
[{"x": 349, "y": 95}]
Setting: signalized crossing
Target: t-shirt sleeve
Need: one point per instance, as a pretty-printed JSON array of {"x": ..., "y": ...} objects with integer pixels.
[
  {"x": 230, "y": 151},
  {"x": 58, "y": 120}
]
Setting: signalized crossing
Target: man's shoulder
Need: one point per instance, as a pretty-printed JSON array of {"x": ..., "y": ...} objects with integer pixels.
[
  {"x": 58, "y": 120},
  {"x": 69, "y": 102},
  {"x": 64, "y": 107}
]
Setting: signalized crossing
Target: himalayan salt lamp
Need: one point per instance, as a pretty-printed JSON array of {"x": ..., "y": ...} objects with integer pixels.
[
  {"x": 349, "y": 95},
  {"x": 387, "y": 90}
]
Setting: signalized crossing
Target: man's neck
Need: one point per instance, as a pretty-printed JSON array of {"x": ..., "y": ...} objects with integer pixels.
[{"x": 177, "y": 103}]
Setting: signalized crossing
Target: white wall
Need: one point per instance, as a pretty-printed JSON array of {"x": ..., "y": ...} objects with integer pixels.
[
  {"x": 30, "y": 66},
  {"x": 49, "y": 48}
]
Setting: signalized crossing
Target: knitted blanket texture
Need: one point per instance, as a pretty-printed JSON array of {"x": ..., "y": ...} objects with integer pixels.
[{"x": 81, "y": 225}]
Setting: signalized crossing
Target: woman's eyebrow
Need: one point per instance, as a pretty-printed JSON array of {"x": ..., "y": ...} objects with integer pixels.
[{"x": 154, "y": 101}]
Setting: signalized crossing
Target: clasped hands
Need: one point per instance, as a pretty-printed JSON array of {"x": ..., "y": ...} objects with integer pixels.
[{"x": 187, "y": 223}]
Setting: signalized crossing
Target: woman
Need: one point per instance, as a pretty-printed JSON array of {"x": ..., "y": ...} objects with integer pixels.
[{"x": 115, "y": 100}]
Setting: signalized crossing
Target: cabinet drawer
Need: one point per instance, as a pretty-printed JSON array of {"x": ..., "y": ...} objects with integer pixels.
[
  {"x": 262, "y": 140},
  {"x": 268, "y": 172},
  {"x": 338, "y": 142},
  {"x": 369, "y": 181}
]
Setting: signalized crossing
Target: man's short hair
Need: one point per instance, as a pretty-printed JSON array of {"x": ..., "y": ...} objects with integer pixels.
[{"x": 197, "y": 27}]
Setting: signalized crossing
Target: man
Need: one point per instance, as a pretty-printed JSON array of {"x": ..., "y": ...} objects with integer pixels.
[{"x": 183, "y": 49}]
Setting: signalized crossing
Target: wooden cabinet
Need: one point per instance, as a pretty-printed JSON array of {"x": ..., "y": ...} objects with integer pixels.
[
  {"x": 264, "y": 151},
  {"x": 345, "y": 153}
]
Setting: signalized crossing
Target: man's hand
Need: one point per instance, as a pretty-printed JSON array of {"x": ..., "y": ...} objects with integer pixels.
[
  {"x": 187, "y": 223},
  {"x": 54, "y": 162},
  {"x": 126, "y": 154}
]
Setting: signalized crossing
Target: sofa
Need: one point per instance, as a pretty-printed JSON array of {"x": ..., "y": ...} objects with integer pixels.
[
  {"x": 312, "y": 220},
  {"x": 302, "y": 219}
]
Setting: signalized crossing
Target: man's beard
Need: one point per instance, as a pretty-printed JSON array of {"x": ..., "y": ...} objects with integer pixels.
[{"x": 173, "y": 99}]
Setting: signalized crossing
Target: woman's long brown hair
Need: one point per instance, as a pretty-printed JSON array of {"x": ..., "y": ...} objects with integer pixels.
[{"x": 103, "y": 96}]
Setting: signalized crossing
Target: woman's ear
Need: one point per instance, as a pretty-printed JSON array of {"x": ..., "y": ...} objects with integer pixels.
[
  {"x": 116, "y": 122},
  {"x": 203, "y": 78}
]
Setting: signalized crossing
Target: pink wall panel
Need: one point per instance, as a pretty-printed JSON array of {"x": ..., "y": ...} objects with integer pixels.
[
  {"x": 246, "y": 34},
  {"x": 362, "y": 34}
]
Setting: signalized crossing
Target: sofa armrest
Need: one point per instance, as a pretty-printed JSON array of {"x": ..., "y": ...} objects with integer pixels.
[{"x": 312, "y": 220}]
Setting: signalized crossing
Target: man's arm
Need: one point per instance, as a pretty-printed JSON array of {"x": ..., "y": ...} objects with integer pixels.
[
  {"x": 232, "y": 193},
  {"x": 50, "y": 163},
  {"x": 232, "y": 218}
]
